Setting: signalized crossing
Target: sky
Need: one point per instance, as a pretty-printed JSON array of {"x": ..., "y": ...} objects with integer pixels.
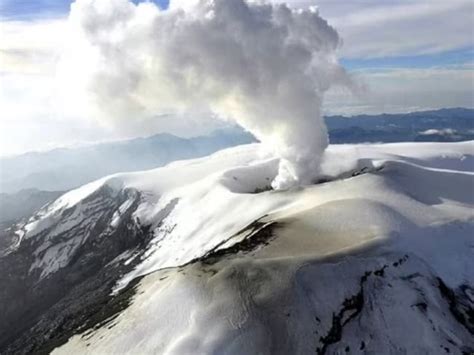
[{"x": 407, "y": 55}]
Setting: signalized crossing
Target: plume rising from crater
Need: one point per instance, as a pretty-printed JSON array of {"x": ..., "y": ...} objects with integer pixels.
[{"x": 264, "y": 66}]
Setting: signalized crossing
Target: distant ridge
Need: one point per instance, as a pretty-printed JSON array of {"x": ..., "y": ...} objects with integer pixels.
[
  {"x": 66, "y": 168},
  {"x": 404, "y": 127}
]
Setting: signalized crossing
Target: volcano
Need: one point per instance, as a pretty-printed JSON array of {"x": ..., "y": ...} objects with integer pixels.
[{"x": 204, "y": 257}]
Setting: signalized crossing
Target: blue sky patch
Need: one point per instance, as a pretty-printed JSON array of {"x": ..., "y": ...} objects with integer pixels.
[
  {"x": 34, "y": 9},
  {"x": 456, "y": 57}
]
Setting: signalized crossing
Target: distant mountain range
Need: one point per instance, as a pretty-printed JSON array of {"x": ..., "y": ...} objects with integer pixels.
[
  {"x": 63, "y": 169},
  {"x": 66, "y": 168},
  {"x": 23, "y": 203},
  {"x": 445, "y": 125}
]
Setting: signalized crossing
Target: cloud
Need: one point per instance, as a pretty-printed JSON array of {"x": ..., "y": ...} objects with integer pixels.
[
  {"x": 374, "y": 28},
  {"x": 31, "y": 47},
  {"x": 404, "y": 27},
  {"x": 263, "y": 66},
  {"x": 393, "y": 90}
]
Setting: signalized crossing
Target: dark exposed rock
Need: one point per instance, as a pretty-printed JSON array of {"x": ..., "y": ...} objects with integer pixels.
[
  {"x": 458, "y": 301},
  {"x": 351, "y": 308},
  {"x": 40, "y": 313},
  {"x": 460, "y": 305},
  {"x": 257, "y": 234}
]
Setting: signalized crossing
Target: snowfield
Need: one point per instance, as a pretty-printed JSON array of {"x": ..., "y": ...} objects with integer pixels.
[{"x": 376, "y": 257}]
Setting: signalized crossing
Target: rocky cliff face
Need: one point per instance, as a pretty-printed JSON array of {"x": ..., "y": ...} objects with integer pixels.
[{"x": 54, "y": 282}]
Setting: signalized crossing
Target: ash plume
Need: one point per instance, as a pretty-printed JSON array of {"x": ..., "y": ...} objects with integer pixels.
[{"x": 264, "y": 66}]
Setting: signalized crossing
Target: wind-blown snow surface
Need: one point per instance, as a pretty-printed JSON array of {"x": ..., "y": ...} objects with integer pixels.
[{"x": 379, "y": 240}]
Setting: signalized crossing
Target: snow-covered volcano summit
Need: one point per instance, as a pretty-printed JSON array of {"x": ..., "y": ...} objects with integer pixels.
[{"x": 201, "y": 256}]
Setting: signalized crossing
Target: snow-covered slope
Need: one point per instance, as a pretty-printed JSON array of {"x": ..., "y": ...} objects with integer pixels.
[{"x": 376, "y": 256}]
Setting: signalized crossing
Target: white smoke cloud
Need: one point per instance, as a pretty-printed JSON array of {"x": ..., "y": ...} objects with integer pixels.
[{"x": 263, "y": 66}]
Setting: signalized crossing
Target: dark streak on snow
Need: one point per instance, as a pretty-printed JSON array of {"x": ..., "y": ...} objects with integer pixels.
[
  {"x": 459, "y": 301},
  {"x": 461, "y": 307},
  {"x": 351, "y": 308},
  {"x": 257, "y": 233}
]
